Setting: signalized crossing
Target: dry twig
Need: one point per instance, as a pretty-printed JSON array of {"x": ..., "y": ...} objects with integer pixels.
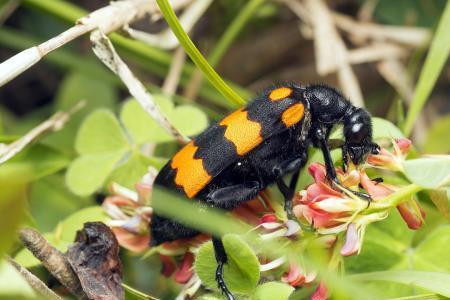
[
  {"x": 106, "y": 19},
  {"x": 53, "y": 260},
  {"x": 34, "y": 282},
  {"x": 105, "y": 51},
  {"x": 173, "y": 77},
  {"x": 54, "y": 123},
  {"x": 167, "y": 39}
]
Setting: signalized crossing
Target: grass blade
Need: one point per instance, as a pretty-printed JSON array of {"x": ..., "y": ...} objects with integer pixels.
[
  {"x": 436, "y": 58},
  {"x": 195, "y": 55}
]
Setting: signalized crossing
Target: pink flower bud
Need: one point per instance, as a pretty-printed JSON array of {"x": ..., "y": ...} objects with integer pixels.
[
  {"x": 403, "y": 145},
  {"x": 321, "y": 292},
  {"x": 411, "y": 213},
  {"x": 268, "y": 218}
]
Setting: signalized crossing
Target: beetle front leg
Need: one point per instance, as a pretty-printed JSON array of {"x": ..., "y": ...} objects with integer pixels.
[{"x": 329, "y": 166}]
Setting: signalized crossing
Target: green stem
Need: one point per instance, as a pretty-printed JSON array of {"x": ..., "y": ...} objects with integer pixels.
[
  {"x": 393, "y": 199},
  {"x": 435, "y": 61},
  {"x": 233, "y": 31},
  {"x": 195, "y": 55}
]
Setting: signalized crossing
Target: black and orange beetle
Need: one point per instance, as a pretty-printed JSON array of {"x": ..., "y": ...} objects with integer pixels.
[{"x": 255, "y": 146}]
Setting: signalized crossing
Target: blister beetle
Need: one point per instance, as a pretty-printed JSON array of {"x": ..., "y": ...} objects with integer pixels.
[{"x": 255, "y": 146}]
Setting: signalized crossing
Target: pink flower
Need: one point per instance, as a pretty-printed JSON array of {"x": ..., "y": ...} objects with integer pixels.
[
  {"x": 322, "y": 206},
  {"x": 185, "y": 270},
  {"x": 297, "y": 277},
  {"x": 391, "y": 160}
]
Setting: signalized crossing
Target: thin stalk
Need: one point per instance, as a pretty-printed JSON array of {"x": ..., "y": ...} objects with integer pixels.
[
  {"x": 393, "y": 199},
  {"x": 435, "y": 61},
  {"x": 196, "y": 56},
  {"x": 233, "y": 31}
]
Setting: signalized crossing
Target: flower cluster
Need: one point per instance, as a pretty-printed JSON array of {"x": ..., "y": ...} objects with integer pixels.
[{"x": 323, "y": 207}]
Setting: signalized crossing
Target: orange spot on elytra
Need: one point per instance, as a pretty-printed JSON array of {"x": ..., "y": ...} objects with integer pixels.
[
  {"x": 293, "y": 114},
  {"x": 280, "y": 93},
  {"x": 191, "y": 175},
  {"x": 242, "y": 132}
]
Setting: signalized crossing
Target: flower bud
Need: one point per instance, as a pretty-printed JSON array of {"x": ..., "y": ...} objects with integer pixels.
[{"x": 411, "y": 213}]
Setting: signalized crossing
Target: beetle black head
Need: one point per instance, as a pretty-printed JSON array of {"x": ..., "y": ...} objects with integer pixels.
[{"x": 358, "y": 136}]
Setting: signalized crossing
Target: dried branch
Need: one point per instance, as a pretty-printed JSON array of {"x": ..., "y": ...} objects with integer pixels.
[
  {"x": 105, "y": 51},
  {"x": 54, "y": 123},
  {"x": 33, "y": 281},
  {"x": 53, "y": 260},
  {"x": 167, "y": 39},
  {"x": 331, "y": 52},
  {"x": 173, "y": 77},
  {"x": 106, "y": 19},
  {"x": 409, "y": 36}
]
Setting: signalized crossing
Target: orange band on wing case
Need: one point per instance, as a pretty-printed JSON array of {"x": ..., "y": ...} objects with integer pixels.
[
  {"x": 293, "y": 114},
  {"x": 280, "y": 93},
  {"x": 191, "y": 175},
  {"x": 242, "y": 132}
]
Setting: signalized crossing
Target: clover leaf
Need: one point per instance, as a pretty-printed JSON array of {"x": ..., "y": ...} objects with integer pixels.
[{"x": 241, "y": 272}]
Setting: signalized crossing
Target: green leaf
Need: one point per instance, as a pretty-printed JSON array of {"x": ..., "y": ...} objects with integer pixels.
[
  {"x": 39, "y": 160},
  {"x": 74, "y": 222},
  {"x": 12, "y": 284},
  {"x": 429, "y": 172},
  {"x": 437, "y": 140},
  {"x": 432, "y": 253},
  {"x": 74, "y": 88},
  {"x": 196, "y": 56},
  {"x": 26, "y": 259},
  {"x": 88, "y": 173},
  {"x": 52, "y": 193},
  {"x": 100, "y": 133},
  {"x": 241, "y": 271},
  {"x": 12, "y": 206},
  {"x": 273, "y": 290},
  {"x": 435, "y": 61},
  {"x": 142, "y": 128},
  {"x": 436, "y": 282},
  {"x": 131, "y": 172},
  {"x": 383, "y": 129},
  {"x": 133, "y": 294},
  {"x": 441, "y": 200}
]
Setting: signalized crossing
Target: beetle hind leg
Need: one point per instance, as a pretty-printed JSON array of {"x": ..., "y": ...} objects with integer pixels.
[{"x": 221, "y": 258}]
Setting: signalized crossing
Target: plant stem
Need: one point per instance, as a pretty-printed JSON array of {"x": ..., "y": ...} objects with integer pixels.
[
  {"x": 436, "y": 58},
  {"x": 233, "y": 31},
  {"x": 393, "y": 199},
  {"x": 195, "y": 55}
]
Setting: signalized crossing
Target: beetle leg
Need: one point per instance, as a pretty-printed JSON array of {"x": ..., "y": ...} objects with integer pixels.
[
  {"x": 231, "y": 196},
  {"x": 288, "y": 191},
  {"x": 331, "y": 172},
  {"x": 221, "y": 258}
]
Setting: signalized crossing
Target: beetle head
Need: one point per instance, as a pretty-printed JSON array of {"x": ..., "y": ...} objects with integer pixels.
[{"x": 358, "y": 136}]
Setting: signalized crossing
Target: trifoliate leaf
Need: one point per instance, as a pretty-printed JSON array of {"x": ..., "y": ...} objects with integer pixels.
[
  {"x": 87, "y": 173},
  {"x": 130, "y": 172},
  {"x": 241, "y": 273},
  {"x": 142, "y": 128},
  {"x": 101, "y": 133}
]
